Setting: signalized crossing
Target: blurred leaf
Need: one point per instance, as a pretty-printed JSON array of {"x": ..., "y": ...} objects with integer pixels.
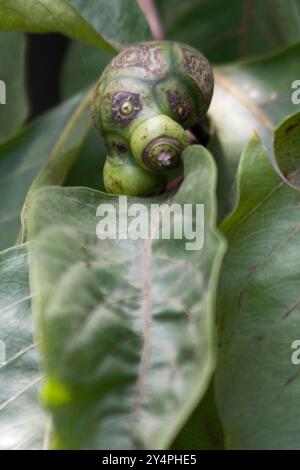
[
  {"x": 12, "y": 72},
  {"x": 120, "y": 22},
  {"x": 43, "y": 16},
  {"x": 257, "y": 386},
  {"x": 101, "y": 23},
  {"x": 287, "y": 149},
  {"x": 126, "y": 327},
  {"x": 82, "y": 66},
  {"x": 55, "y": 136},
  {"x": 203, "y": 430},
  {"x": 239, "y": 29},
  {"x": 63, "y": 153},
  {"x": 251, "y": 96},
  {"x": 88, "y": 166},
  {"x": 22, "y": 421}
]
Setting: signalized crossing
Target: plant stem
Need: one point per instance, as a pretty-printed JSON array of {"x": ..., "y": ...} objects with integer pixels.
[{"x": 150, "y": 11}]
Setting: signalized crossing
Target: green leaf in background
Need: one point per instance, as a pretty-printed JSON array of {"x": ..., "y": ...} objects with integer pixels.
[
  {"x": 22, "y": 421},
  {"x": 87, "y": 169},
  {"x": 232, "y": 30},
  {"x": 203, "y": 430},
  {"x": 54, "y": 138},
  {"x": 101, "y": 23},
  {"x": 126, "y": 327},
  {"x": 120, "y": 22},
  {"x": 287, "y": 149},
  {"x": 257, "y": 385},
  {"x": 250, "y": 96},
  {"x": 82, "y": 66},
  {"x": 43, "y": 16},
  {"x": 12, "y": 72},
  {"x": 63, "y": 153}
]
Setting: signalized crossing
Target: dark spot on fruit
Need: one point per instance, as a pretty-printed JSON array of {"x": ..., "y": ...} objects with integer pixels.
[
  {"x": 119, "y": 146},
  {"x": 118, "y": 100},
  {"x": 179, "y": 105}
]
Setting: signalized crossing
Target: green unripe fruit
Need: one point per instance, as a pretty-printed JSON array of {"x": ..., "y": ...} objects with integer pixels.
[
  {"x": 157, "y": 144},
  {"x": 131, "y": 179},
  {"x": 145, "y": 100}
]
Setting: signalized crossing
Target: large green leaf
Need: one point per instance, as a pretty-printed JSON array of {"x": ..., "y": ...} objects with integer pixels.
[
  {"x": 42, "y": 16},
  {"x": 235, "y": 30},
  {"x": 120, "y": 22},
  {"x": 12, "y": 72},
  {"x": 257, "y": 385},
  {"x": 101, "y": 23},
  {"x": 52, "y": 140},
  {"x": 287, "y": 149},
  {"x": 22, "y": 421},
  {"x": 250, "y": 96},
  {"x": 126, "y": 327}
]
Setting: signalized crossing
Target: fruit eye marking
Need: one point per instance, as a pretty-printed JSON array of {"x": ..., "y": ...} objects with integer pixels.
[
  {"x": 125, "y": 106},
  {"x": 180, "y": 111},
  {"x": 179, "y": 105}
]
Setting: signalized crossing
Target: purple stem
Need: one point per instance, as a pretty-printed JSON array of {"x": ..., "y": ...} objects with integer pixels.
[{"x": 150, "y": 11}]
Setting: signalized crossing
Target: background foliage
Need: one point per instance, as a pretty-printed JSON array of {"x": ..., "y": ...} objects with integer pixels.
[{"x": 204, "y": 367}]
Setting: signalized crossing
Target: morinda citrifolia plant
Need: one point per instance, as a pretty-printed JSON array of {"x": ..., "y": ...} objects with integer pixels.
[
  {"x": 146, "y": 98},
  {"x": 132, "y": 344}
]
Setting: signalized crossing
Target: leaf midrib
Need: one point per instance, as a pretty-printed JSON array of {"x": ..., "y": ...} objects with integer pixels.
[{"x": 237, "y": 93}]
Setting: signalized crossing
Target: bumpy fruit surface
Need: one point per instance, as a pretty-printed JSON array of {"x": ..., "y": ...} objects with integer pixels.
[{"x": 145, "y": 100}]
